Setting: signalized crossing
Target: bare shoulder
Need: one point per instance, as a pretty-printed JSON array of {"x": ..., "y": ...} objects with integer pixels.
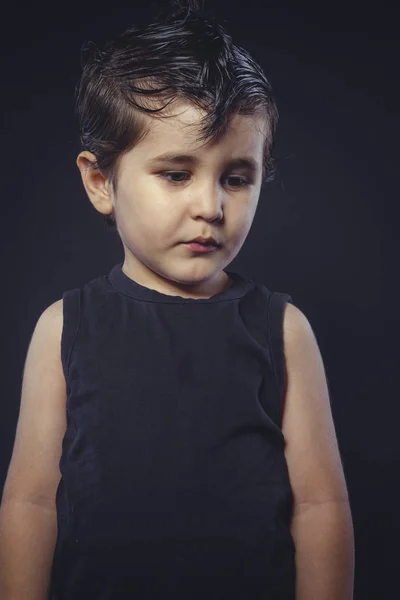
[
  {"x": 46, "y": 337},
  {"x": 299, "y": 341},
  {"x": 294, "y": 319},
  {"x": 54, "y": 311},
  {"x": 48, "y": 332}
]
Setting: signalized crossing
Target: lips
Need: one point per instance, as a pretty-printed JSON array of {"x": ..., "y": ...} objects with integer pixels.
[
  {"x": 208, "y": 241},
  {"x": 202, "y": 243},
  {"x": 201, "y": 248}
]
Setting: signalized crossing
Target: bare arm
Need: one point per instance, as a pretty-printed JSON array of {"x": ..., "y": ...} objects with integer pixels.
[
  {"x": 28, "y": 534},
  {"x": 324, "y": 541},
  {"x": 28, "y": 518},
  {"x": 322, "y": 525}
]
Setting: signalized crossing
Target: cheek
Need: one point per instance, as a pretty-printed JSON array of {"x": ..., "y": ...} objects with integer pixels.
[
  {"x": 238, "y": 224},
  {"x": 240, "y": 215}
]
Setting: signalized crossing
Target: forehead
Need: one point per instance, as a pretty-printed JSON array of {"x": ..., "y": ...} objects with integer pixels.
[{"x": 179, "y": 130}]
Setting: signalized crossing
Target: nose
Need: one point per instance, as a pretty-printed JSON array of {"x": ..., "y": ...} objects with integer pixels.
[{"x": 207, "y": 202}]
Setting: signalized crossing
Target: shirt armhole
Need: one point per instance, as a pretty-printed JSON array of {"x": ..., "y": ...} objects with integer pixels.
[
  {"x": 71, "y": 315},
  {"x": 276, "y": 308}
]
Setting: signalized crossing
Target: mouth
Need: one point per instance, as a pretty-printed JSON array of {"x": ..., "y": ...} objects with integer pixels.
[
  {"x": 207, "y": 241},
  {"x": 202, "y": 243},
  {"x": 201, "y": 246}
]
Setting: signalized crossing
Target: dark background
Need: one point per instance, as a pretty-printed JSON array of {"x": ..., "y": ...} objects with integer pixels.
[{"x": 324, "y": 231}]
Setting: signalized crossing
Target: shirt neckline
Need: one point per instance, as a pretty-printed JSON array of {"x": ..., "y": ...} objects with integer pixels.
[{"x": 120, "y": 281}]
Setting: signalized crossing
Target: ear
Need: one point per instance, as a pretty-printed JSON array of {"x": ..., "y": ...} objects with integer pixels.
[{"x": 95, "y": 183}]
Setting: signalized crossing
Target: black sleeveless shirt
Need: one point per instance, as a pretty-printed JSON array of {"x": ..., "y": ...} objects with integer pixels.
[{"x": 174, "y": 481}]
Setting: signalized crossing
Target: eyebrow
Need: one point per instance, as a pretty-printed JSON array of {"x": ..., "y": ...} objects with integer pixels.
[{"x": 179, "y": 159}]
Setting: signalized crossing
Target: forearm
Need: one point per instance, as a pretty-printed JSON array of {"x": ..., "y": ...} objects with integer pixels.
[
  {"x": 324, "y": 540},
  {"x": 28, "y": 534}
]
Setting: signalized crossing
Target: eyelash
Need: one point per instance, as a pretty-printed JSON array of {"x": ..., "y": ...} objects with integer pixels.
[{"x": 165, "y": 174}]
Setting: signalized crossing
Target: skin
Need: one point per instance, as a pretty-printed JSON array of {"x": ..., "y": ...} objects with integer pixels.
[{"x": 156, "y": 211}]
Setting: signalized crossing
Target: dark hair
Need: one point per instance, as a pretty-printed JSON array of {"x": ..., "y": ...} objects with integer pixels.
[{"x": 188, "y": 55}]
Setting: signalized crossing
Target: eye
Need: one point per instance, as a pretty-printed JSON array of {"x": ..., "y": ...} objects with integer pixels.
[
  {"x": 167, "y": 174},
  {"x": 243, "y": 180}
]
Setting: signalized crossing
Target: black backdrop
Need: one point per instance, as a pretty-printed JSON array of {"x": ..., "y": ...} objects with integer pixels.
[{"x": 324, "y": 231}]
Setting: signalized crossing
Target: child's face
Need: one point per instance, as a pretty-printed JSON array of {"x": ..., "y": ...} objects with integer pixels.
[{"x": 157, "y": 212}]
